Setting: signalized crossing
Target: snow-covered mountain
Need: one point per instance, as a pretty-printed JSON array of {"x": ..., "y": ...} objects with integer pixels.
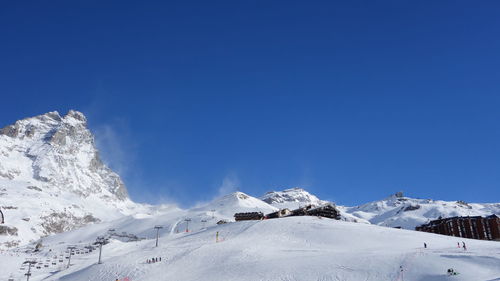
[
  {"x": 53, "y": 185},
  {"x": 291, "y": 198},
  {"x": 194, "y": 247},
  {"x": 52, "y": 179},
  {"x": 394, "y": 211},
  {"x": 405, "y": 212},
  {"x": 226, "y": 206}
]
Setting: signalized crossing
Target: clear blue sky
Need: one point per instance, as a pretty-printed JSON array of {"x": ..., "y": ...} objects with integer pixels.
[{"x": 352, "y": 100}]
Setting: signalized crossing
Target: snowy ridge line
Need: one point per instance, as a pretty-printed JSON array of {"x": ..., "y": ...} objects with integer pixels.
[{"x": 393, "y": 211}]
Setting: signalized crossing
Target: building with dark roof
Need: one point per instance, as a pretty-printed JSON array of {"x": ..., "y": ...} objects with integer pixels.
[
  {"x": 477, "y": 227},
  {"x": 248, "y": 216}
]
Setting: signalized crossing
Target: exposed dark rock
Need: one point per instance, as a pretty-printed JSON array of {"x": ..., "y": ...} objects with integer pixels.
[
  {"x": 61, "y": 222},
  {"x": 32, "y": 187},
  {"x": 11, "y": 130},
  {"x": 411, "y": 208},
  {"x": 6, "y": 230}
]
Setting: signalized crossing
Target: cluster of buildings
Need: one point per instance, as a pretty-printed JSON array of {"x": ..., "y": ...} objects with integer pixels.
[
  {"x": 327, "y": 211},
  {"x": 477, "y": 227}
]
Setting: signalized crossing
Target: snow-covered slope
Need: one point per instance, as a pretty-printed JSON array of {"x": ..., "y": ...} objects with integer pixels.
[
  {"x": 52, "y": 179},
  {"x": 405, "y": 212},
  {"x": 295, "y": 248}
]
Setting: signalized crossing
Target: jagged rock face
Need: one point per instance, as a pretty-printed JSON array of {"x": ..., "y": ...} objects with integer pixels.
[
  {"x": 59, "y": 151},
  {"x": 52, "y": 179},
  {"x": 292, "y": 195}
]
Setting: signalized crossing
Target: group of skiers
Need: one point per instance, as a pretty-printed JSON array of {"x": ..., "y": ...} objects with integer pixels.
[
  {"x": 458, "y": 245},
  {"x": 153, "y": 260},
  {"x": 450, "y": 271}
]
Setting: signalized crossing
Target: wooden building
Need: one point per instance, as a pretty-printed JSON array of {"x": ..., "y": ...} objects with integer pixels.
[
  {"x": 326, "y": 211},
  {"x": 302, "y": 211},
  {"x": 279, "y": 214},
  {"x": 248, "y": 216},
  {"x": 477, "y": 227},
  {"x": 222, "y": 222}
]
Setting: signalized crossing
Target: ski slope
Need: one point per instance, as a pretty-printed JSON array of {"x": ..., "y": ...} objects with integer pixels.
[{"x": 294, "y": 248}]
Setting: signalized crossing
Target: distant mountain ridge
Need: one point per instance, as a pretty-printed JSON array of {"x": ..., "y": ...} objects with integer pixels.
[
  {"x": 405, "y": 212},
  {"x": 393, "y": 211}
]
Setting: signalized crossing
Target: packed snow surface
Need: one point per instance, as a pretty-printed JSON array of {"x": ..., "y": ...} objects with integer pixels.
[{"x": 294, "y": 248}]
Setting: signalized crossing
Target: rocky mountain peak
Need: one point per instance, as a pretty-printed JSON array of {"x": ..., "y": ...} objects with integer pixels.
[
  {"x": 76, "y": 115},
  {"x": 291, "y": 195},
  {"x": 58, "y": 152},
  {"x": 52, "y": 178}
]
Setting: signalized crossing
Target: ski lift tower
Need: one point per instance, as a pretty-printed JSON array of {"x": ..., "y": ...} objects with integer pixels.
[
  {"x": 203, "y": 221},
  {"x": 187, "y": 224},
  {"x": 213, "y": 213},
  {"x": 157, "y": 227},
  {"x": 70, "y": 248},
  {"x": 30, "y": 263},
  {"x": 100, "y": 240}
]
